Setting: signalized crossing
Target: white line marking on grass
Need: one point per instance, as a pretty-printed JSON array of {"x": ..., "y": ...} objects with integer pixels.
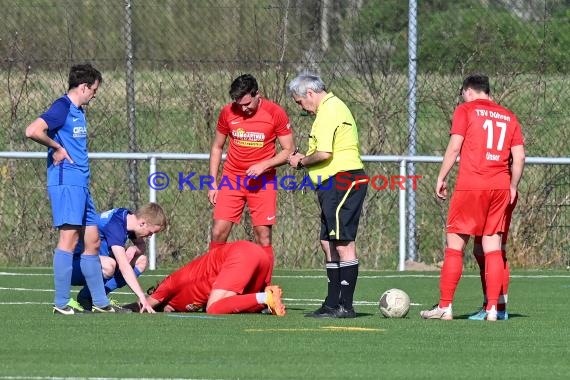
[
  {"x": 290, "y": 301},
  {"x": 320, "y": 300},
  {"x": 51, "y": 274},
  {"x": 50, "y": 290},
  {"x": 27, "y": 290},
  {"x": 324, "y": 328},
  {"x": 362, "y": 276},
  {"x": 293, "y": 304},
  {"x": 317, "y": 302},
  {"x": 98, "y": 378},
  {"x": 381, "y": 276},
  {"x": 175, "y": 315},
  {"x": 26, "y": 303}
]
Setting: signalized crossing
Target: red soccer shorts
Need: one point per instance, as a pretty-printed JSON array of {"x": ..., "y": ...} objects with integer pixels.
[
  {"x": 260, "y": 194},
  {"x": 244, "y": 269},
  {"x": 478, "y": 212},
  {"x": 508, "y": 217}
]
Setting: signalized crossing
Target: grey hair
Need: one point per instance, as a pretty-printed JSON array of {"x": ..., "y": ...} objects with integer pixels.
[{"x": 303, "y": 82}]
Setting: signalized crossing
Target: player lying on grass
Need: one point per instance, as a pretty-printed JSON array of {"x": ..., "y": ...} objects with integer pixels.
[
  {"x": 225, "y": 280},
  {"x": 121, "y": 266}
]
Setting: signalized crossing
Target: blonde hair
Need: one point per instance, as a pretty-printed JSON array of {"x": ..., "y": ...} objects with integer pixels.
[{"x": 153, "y": 214}]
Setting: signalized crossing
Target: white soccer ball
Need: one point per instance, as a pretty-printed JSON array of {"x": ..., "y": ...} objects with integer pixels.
[{"x": 394, "y": 303}]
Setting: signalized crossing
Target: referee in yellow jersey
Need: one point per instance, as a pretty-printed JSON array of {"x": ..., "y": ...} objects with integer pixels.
[{"x": 335, "y": 168}]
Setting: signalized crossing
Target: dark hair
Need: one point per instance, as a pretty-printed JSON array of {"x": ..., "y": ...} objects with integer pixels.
[
  {"x": 83, "y": 73},
  {"x": 243, "y": 85},
  {"x": 153, "y": 288},
  {"x": 477, "y": 82}
]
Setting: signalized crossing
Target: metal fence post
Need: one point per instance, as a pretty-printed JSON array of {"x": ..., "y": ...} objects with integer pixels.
[
  {"x": 152, "y": 198},
  {"x": 402, "y": 219},
  {"x": 412, "y": 87},
  {"x": 131, "y": 115}
]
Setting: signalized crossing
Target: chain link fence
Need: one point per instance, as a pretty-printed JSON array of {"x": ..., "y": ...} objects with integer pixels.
[{"x": 167, "y": 66}]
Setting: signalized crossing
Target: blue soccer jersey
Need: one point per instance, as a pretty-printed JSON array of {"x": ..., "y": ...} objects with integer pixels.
[
  {"x": 113, "y": 230},
  {"x": 68, "y": 127}
]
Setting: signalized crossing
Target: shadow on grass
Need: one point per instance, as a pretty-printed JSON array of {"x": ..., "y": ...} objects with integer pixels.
[
  {"x": 307, "y": 311},
  {"x": 511, "y": 316}
]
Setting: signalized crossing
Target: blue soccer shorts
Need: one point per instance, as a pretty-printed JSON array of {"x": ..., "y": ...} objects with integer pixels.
[{"x": 72, "y": 205}]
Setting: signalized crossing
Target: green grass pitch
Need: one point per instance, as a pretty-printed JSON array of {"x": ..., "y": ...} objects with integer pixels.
[{"x": 533, "y": 343}]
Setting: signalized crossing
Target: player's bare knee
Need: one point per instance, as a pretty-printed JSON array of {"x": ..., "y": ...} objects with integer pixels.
[
  {"x": 131, "y": 254},
  {"x": 92, "y": 245},
  {"x": 219, "y": 235},
  {"x": 264, "y": 241},
  {"x": 141, "y": 263},
  {"x": 91, "y": 239},
  {"x": 108, "y": 266},
  {"x": 346, "y": 250},
  {"x": 263, "y": 238},
  {"x": 68, "y": 238},
  {"x": 263, "y": 235},
  {"x": 221, "y": 230}
]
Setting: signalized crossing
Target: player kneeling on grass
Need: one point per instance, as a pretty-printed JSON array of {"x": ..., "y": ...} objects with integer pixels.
[
  {"x": 227, "y": 279},
  {"x": 122, "y": 266}
]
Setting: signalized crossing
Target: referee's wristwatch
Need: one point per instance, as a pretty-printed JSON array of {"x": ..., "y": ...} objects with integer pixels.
[{"x": 300, "y": 164}]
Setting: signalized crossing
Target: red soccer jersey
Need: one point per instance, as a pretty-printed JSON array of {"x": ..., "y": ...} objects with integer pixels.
[
  {"x": 489, "y": 132},
  {"x": 188, "y": 288},
  {"x": 252, "y": 138}
]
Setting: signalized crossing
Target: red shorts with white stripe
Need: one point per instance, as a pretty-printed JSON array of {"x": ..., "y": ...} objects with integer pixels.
[
  {"x": 478, "y": 212},
  {"x": 509, "y": 216},
  {"x": 260, "y": 194}
]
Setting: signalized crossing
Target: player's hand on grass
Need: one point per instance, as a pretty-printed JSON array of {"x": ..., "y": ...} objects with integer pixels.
[
  {"x": 169, "y": 309},
  {"x": 145, "y": 306}
]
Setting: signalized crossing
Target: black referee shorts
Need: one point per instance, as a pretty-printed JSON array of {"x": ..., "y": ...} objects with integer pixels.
[{"x": 341, "y": 198}]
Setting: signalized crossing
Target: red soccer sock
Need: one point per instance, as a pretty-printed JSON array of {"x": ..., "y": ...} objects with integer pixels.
[
  {"x": 241, "y": 303},
  {"x": 269, "y": 250},
  {"x": 494, "y": 269},
  {"x": 449, "y": 276},
  {"x": 503, "y": 298}
]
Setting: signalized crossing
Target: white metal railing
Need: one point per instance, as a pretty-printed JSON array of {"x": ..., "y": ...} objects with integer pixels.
[{"x": 155, "y": 156}]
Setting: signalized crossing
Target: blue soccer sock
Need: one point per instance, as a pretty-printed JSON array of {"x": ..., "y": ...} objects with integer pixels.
[
  {"x": 91, "y": 268},
  {"x": 118, "y": 281},
  {"x": 62, "y": 270}
]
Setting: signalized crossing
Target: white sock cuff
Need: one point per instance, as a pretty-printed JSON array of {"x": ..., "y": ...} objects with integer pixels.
[
  {"x": 348, "y": 263},
  {"x": 261, "y": 297},
  {"x": 332, "y": 265}
]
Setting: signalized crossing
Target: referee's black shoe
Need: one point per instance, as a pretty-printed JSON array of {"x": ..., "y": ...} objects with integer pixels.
[
  {"x": 344, "y": 312},
  {"x": 326, "y": 311}
]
